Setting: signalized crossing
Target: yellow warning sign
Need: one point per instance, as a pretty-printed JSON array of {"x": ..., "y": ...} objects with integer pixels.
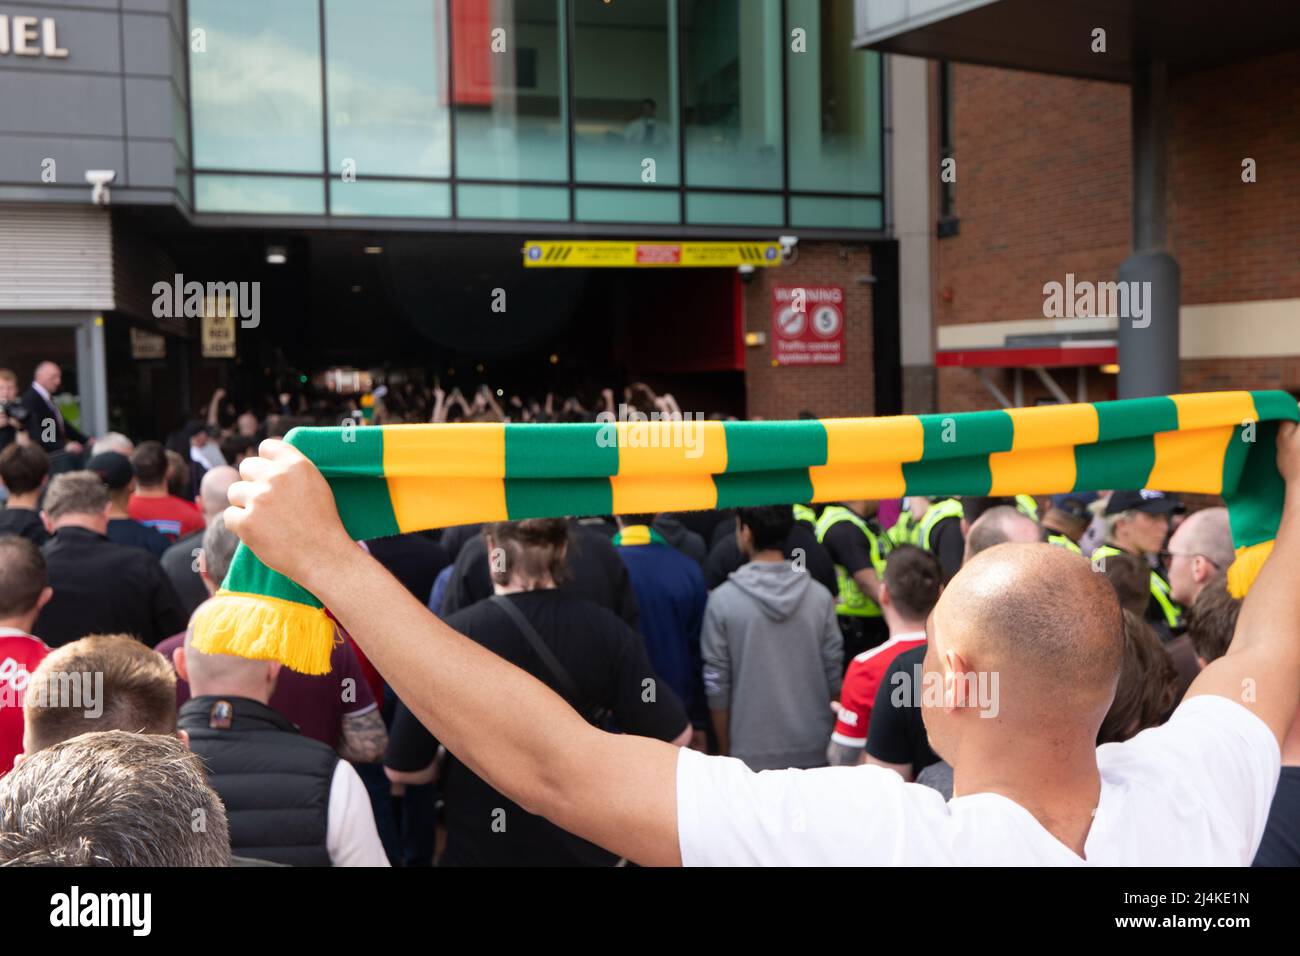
[{"x": 650, "y": 255}]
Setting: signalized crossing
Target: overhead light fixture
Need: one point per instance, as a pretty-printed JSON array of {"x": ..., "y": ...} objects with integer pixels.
[
  {"x": 1109, "y": 370},
  {"x": 374, "y": 250},
  {"x": 754, "y": 339},
  {"x": 276, "y": 255}
]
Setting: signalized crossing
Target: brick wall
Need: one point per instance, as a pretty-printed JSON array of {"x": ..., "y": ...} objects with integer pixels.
[
  {"x": 1237, "y": 241},
  {"x": 829, "y": 391},
  {"x": 1043, "y": 188}
]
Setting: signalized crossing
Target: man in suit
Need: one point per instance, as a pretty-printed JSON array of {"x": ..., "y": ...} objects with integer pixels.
[{"x": 41, "y": 411}]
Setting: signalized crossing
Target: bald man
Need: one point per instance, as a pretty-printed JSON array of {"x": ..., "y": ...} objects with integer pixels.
[
  {"x": 289, "y": 799},
  {"x": 999, "y": 525},
  {"x": 1038, "y": 633},
  {"x": 1200, "y": 547},
  {"x": 45, "y": 424},
  {"x": 180, "y": 561}
]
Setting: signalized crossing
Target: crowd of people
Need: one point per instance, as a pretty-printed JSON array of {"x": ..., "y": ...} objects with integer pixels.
[{"x": 786, "y": 638}]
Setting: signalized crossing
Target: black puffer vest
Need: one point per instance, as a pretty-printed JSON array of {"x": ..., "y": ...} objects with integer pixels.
[{"x": 274, "y": 782}]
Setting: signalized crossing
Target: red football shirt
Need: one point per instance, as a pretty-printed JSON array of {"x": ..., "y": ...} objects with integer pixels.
[
  {"x": 168, "y": 515},
  {"x": 861, "y": 682},
  {"x": 20, "y": 653}
]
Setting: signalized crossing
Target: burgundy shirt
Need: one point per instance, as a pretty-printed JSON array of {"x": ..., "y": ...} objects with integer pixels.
[{"x": 317, "y": 705}]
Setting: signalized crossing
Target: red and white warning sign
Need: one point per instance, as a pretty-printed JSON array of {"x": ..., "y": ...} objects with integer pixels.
[{"x": 808, "y": 325}]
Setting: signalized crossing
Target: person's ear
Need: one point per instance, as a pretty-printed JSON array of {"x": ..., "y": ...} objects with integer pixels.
[
  {"x": 49, "y": 525},
  {"x": 181, "y": 665},
  {"x": 954, "y": 683},
  {"x": 1201, "y": 662},
  {"x": 885, "y": 599},
  {"x": 43, "y": 599},
  {"x": 184, "y": 737},
  {"x": 1202, "y": 570},
  {"x": 272, "y": 674}
]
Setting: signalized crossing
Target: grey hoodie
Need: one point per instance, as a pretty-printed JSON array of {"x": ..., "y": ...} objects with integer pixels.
[{"x": 773, "y": 657}]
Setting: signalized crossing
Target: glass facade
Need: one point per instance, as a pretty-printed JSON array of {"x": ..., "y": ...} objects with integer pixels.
[{"x": 694, "y": 113}]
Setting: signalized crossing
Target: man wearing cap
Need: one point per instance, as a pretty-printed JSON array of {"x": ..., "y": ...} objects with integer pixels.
[
  {"x": 1137, "y": 522},
  {"x": 1067, "y": 518},
  {"x": 118, "y": 475}
]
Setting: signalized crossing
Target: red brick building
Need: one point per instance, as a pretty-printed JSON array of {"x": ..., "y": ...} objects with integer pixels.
[{"x": 1044, "y": 189}]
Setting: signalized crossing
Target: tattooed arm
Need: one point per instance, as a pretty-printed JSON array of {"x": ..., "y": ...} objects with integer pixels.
[{"x": 364, "y": 737}]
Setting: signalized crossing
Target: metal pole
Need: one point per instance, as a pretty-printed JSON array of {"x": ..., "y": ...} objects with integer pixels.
[{"x": 1148, "y": 327}]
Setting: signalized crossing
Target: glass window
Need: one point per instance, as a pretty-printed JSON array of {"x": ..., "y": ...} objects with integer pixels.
[
  {"x": 256, "y": 88},
  {"x": 511, "y": 115},
  {"x": 625, "y": 92},
  {"x": 387, "y": 198},
  {"x": 825, "y": 212},
  {"x": 512, "y": 202},
  {"x": 290, "y": 195},
  {"x": 627, "y": 205},
  {"x": 731, "y": 71},
  {"x": 386, "y": 87},
  {"x": 835, "y": 130},
  {"x": 734, "y": 209}
]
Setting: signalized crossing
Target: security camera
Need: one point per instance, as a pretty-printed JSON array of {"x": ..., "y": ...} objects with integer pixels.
[
  {"x": 746, "y": 272},
  {"x": 789, "y": 247},
  {"x": 99, "y": 180}
]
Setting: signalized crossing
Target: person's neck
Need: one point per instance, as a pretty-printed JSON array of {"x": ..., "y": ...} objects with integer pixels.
[
  {"x": 899, "y": 626},
  {"x": 770, "y": 556},
  {"x": 151, "y": 491},
  {"x": 84, "y": 522},
  {"x": 518, "y": 587},
  {"x": 118, "y": 509},
  {"x": 28, "y": 500},
  {"x": 21, "y": 622},
  {"x": 258, "y": 694},
  {"x": 1124, "y": 544},
  {"x": 1056, "y": 781}
]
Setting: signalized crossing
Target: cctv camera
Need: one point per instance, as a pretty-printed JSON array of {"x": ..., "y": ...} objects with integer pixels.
[
  {"x": 99, "y": 180},
  {"x": 746, "y": 272},
  {"x": 789, "y": 247}
]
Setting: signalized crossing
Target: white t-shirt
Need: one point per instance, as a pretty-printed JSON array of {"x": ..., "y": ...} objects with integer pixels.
[
  {"x": 1194, "y": 792},
  {"x": 351, "y": 836}
]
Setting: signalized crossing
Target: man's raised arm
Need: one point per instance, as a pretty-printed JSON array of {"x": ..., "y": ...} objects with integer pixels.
[
  {"x": 619, "y": 792},
  {"x": 1262, "y": 667}
]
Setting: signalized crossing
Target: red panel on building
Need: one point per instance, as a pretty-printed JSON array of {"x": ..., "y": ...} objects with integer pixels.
[{"x": 471, "y": 37}]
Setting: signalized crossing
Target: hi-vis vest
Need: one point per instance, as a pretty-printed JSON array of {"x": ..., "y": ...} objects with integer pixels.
[
  {"x": 939, "y": 511},
  {"x": 805, "y": 513},
  {"x": 1159, "y": 589},
  {"x": 850, "y": 600},
  {"x": 1027, "y": 506},
  {"x": 903, "y": 531},
  {"x": 1064, "y": 541}
]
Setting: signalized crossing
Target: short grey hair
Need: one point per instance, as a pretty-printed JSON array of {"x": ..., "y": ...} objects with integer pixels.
[
  {"x": 112, "y": 799},
  {"x": 75, "y": 493},
  {"x": 114, "y": 441},
  {"x": 219, "y": 544}
]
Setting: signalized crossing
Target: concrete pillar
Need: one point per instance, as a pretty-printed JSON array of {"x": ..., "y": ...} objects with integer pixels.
[{"x": 1148, "y": 336}]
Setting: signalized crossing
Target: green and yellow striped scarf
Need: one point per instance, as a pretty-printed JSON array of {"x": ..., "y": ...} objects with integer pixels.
[{"x": 394, "y": 479}]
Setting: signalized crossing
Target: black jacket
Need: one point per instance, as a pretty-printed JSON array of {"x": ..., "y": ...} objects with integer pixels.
[
  {"x": 274, "y": 782},
  {"x": 105, "y": 588},
  {"x": 38, "y": 411}
]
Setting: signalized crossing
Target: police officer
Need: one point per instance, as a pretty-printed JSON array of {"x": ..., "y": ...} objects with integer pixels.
[
  {"x": 1138, "y": 523},
  {"x": 1067, "y": 518},
  {"x": 858, "y": 549}
]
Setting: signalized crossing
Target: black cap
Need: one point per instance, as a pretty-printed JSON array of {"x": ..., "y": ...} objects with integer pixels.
[
  {"x": 114, "y": 469},
  {"x": 1152, "y": 502}
]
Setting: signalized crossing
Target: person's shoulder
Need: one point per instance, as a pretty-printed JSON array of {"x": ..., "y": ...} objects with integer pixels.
[{"x": 24, "y": 647}]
